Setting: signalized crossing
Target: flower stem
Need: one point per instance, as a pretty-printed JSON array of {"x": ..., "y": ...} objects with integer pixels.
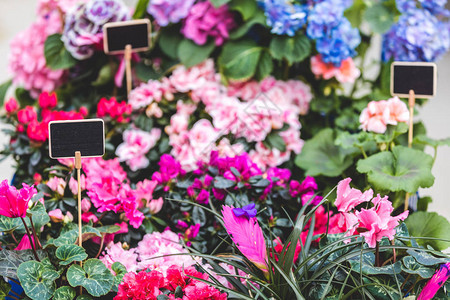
[
  {"x": 377, "y": 255},
  {"x": 36, "y": 240},
  {"x": 33, "y": 247},
  {"x": 14, "y": 237}
]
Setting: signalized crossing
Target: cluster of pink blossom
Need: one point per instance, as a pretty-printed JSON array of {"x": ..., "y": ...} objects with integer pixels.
[
  {"x": 248, "y": 110},
  {"x": 26, "y": 59},
  {"x": 117, "y": 111},
  {"x": 346, "y": 72},
  {"x": 28, "y": 117},
  {"x": 374, "y": 223},
  {"x": 136, "y": 144},
  {"x": 378, "y": 114}
]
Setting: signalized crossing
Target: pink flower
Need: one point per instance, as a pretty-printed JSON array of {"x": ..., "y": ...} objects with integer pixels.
[
  {"x": 305, "y": 190},
  {"x": 378, "y": 222},
  {"x": 144, "y": 190},
  {"x": 116, "y": 253},
  {"x": 56, "y": 215},
  {"x": 205, "y": 20},
  {"x": 184, "y": 80},
  {"x": 247, "y": 235},
  {"x": 26, "y": 60},
  {"x": 85, "y": 204},
  {"x": 47, "y": 100},
  {"x": 73, "y": 184},
  {"x": 348, "y": 198},
  {"x": 435, "y": 283},
  {"x": 25, "y": 243},
  {"x": 346, "y": 72},
  {"x": 398, "y": 111},
  {"x": 11, "y": 106},
  {"x": 247, "y": 90},
  {"x": 27, "y": 115},
  {"x": 13, "y": 202},
  {"x": 37, "y": 131},
  {"x": 149, "y": 92},
  {"x": 136, "y": 145},
  {"x": 155, "y": 205},
  {"x": 118, "y": 111},
  {"x": 379, "y": 114},
  {"x": 57, "y": 185},
  {"x": 89, "y": 216}
]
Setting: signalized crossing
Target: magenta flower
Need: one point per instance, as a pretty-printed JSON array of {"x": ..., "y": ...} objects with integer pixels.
[
  {"x": 248, "y": 211},
  {"x": 13, "y": 202},
  {"x": 435, "y": 283},
  {"x": 204, "y": 20},
  {"x": 25, "y": 243},
  {"x": 348, "y": 198},
  {"x": 305, "y": 190},
  {"x": 247, "y": 235},
  {"x": 169, "y": 169}
]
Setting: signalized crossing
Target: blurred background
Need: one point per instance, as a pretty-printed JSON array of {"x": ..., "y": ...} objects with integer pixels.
[{"x": 17, "y": 16}]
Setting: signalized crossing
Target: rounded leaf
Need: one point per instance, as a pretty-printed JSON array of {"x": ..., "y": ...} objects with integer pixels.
[
  {"x": 429, "y": 224},
  {"x": 70, "y": 253},
  {"x": 64, "y": 293},
  {"x": 37, "y": 281},
  {"x": 95, "y": 277}
]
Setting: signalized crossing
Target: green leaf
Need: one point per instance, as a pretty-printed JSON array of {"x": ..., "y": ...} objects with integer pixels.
[
  {"x": 84, "y": 297},
  {"x": 293, "y": 49},
  {"x": 246, "y": 8},
  {"x": 95, "y": 277},
  {"x": 3, "y": 89},
  {"x": 9, "y": 224},
  {"x": 320, "y": 156},
  {"x": 257, "y": 18},
  {"x": 64, "y": 293},
  {"x": 23, "y": 97},
  {"x": 4, "y": 289},
  {"x": 403, "y": 169},
  {"x": 105, "y": 75},
  {"x": 223, "y": 183},
  {"x": 120, "y": 271},
  {"x": 56, "y": 55},
  {"x": 39, "y": 215},
  {"x": 143, "y": 122},
  {"x": 70, "y": 253},
  {"x": 239, "y": 60},
  {"x": 108, "y": 228},
  {"x": 67, "y": 238},
  {"x": 10, "y": 260},
  {"x": 191, "y": 54},
  {"x": 219, "y": 3},
  {"x": 140, "y": 9},
  {"x": 379, "y": 18},
  {"x": 427, "y": 259},
  {"x": 411, "y": 266},
  {"x": 169, "y": 41},
  {"x": 355, "y": 13},
  {"x": 37, "y": 281},
  {"x": 276, "y": 141},
  {"x": 265, "y": 66},
  {"x": 429, "y": 224},
  {"x": 425, "y": 140},
  {"x": 369, "y": 269}
]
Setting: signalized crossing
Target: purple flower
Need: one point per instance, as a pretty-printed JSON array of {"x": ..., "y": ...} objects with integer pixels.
[
  {"x": 435, "y": 283},
  {"x": 82, "y": 33},
  {"x": 204, "y": 20},
  {"x": 283, "y": 16},
  {"x": 169, "y": 11},
  {"x": 248, "y": 211},
  {"x": 417, "y": 36},
  {"x": 169, "y": 169}
]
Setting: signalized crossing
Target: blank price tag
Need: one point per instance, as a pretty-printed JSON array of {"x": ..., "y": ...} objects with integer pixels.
[
  {"x": 117, "y": 35},
  {"x": 421, "y": 77},
  {"x": 67, "y": 137}
]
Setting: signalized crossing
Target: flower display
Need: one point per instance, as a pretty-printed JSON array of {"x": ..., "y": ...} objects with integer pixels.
[{"x": 82, "y": 33}]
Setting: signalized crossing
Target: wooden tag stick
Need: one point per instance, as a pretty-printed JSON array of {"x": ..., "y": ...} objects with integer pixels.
[
  {"x": 78, "y": 167},
  {"x": 411, "y": 103},
  {"x": 127, "y": 57}
]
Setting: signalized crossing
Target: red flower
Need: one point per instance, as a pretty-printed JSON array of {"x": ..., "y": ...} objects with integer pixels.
[
  {"x": 27, "y": 115},
  {"x": 11, "y": 106},
  {"x": 47, "y": 100},
  {"x": 117, "y": 111},
  {"x": 38, "y": 131}
]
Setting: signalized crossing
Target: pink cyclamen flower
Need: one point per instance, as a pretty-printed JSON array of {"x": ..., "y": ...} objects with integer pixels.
[
  {"x": 13, "y": 202},
  {"x": 25, "y": 243},
  {"x": 348, "y": 198},
  {"x": 378, "y": 222},
  {"x": 205, "y": 20},
  {"x": 155, "y": 205},
  {"x": 435, "y": 283},
  {"x": 56, "y": 215},
  {"x": 247, "y": 235},
  {"x": 47, "y": 100},
  {"x": 11, "y": 106},
  {"x": 27, "y": 115}
]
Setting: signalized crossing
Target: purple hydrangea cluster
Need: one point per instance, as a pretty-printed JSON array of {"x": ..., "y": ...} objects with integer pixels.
[
  {"x": 336, "y": 39},
  {"x": 417, "y": 36},
  {"x": 83, "y": 25},
  {"x": 436, "y": 7},
  {"x": 169, "y": 11},
  {"x": 285, "y": 17}
]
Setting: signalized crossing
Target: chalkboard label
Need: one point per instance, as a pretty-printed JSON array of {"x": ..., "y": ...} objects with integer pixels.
[
  {"x": 420, "y": 77},
  {"x": 117, "y": 35},
  {"x": 67, "y": 137}
]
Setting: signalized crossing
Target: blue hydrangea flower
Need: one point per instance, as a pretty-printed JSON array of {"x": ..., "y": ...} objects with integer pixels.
[
  {"x": 417, "y": 36},
  {"x": 323, "y": 18},
  {"x": 248, "y": 211},
  {"x": 284, "y": 17},
  {"x": 436, "y": 7}
]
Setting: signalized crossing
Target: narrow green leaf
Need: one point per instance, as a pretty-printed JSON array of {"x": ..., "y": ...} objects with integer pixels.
[
  {"x": 140, "y": 9},
  {"x": 3, "y": 89}
]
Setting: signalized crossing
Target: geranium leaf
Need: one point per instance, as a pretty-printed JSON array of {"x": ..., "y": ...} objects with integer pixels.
[
  {"x": 320, "y": 156},
  {"x": 191, "y": 54},
  {"x": 95, "y": 277},
  {"x": 64, "y": 293},
  {"x": 429, "y": 224},
  {"x": 293, "y": 49},
  {"x": 37, "y": 281},
  {"x": 411, "y": 266},
  {"x": 70, "y": 253},
  {"x": 120, "y": 271},
  {"x": 239, "y": 59},
  {"x": 56, "y": 55},
  {"x": 403, "y": 169},
  {"x": 425, "y": 140}
]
